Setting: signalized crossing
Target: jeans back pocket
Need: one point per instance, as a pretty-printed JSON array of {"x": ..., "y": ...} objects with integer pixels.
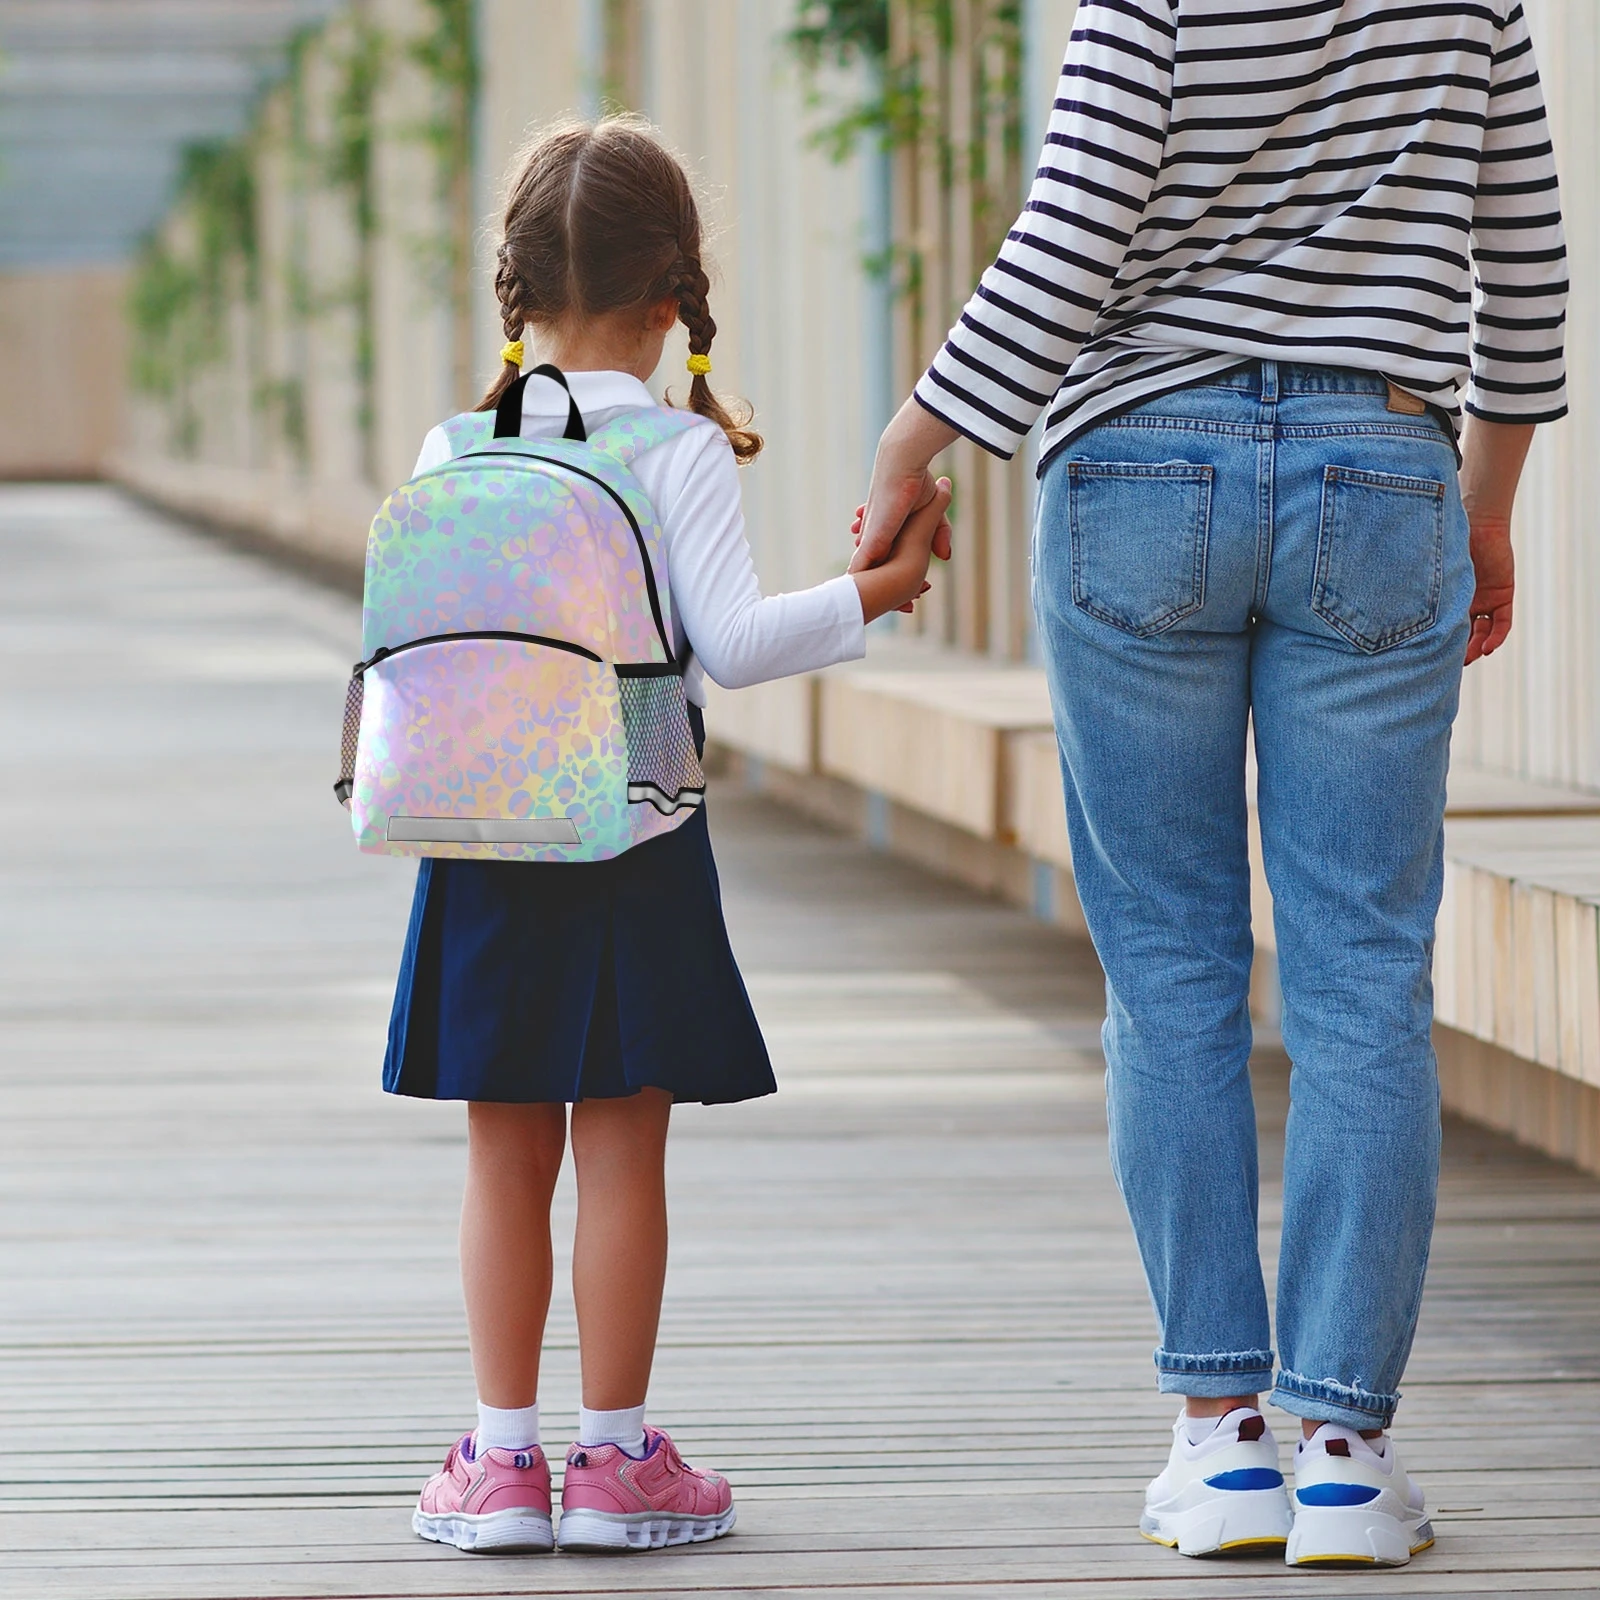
[
  {"x": 1139, "y": 535},
  {"x": 1380, "y": 556}
]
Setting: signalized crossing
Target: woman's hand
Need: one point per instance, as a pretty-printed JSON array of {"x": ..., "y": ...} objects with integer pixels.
[
  {"x": 1494, "y": 568},
  {"x": 894, "y": 583},
  {"x": 1492, "y": 454},
  {"x": 902, "y": 484}
]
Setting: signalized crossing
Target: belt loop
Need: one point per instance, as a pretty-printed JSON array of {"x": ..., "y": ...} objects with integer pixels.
[{"x": 1269, "y": 383}]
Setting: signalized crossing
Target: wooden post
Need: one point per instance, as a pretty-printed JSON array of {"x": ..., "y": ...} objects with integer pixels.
[{"x": 956, "y": 188}]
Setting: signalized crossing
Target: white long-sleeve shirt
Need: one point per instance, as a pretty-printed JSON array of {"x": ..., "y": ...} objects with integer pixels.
[
  {"x": 737, "y": 635},
  {"x": 1352, "y": 183}
]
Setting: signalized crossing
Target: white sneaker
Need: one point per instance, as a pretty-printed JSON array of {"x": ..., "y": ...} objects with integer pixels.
[
  {"x": 1225, "y": 1493},
  {"x": 1354, "y": 1502}
]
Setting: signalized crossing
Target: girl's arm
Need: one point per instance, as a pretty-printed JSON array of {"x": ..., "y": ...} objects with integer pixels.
[{"x": 740, "y": 636}]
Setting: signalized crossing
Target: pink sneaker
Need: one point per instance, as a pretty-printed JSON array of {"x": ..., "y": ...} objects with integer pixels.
[
  {"x": 613, "y": 1501},
  {"x": 499, "y": 1500}
]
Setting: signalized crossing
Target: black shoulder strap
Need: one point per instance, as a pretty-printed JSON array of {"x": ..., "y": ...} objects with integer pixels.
[{"x": 508, "y": 413}]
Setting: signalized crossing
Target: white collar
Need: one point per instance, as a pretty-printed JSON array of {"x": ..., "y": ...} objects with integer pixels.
[{"x": 594, "y": 391}]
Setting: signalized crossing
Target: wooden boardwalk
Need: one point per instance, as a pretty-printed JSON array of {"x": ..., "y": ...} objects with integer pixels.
[{"x": 904, "y": 1313}]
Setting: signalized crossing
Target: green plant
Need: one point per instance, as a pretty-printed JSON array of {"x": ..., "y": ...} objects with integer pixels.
[
  {"x": 161, "y": 294},
  {"x": 172, "y": 295},
  {"x": 840, "y": 31},
  {"x": 348, "y": 163},
  {"x": 845, "y": 34},
  {"x": 347, "y": 158},
  {"x": 217, "y": 186},
  {"x": 285, "y": 399},
  {"x": 185, "y": 279},
  {"x": 899, "y": 106},
  {"x": 447, "y": 54}
]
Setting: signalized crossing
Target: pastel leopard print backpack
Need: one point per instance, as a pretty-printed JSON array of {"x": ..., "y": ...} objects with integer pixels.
[{"x": 519, "y": 698}]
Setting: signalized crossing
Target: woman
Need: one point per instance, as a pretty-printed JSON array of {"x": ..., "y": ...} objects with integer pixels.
[{"x": 1240, "y": 294}]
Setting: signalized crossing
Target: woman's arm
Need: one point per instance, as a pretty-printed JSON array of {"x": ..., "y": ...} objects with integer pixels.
[
  {"x": 1036, "y": 304},
  {"x": 1519, "y": 254},
  {"x": 1492, "y": 454},
  {"x": 1518, "y": 370}
]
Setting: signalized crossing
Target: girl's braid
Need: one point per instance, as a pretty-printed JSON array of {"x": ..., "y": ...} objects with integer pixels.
[
  {"x": 512, "y": 294},
  {"x": 693, "y": 290},
  {"x": 694, "y": 307},
  {"x": 514, "y": 300}
]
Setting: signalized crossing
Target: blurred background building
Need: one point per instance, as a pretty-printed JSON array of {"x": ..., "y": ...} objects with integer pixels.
[
  {"x": 243, "y": 250},
  {"x": 263, "y": 226}
]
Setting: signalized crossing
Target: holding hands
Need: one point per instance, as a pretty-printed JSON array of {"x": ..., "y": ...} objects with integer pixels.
[
  {"x": 905, "y": 511},
  {"x": 900, "y": 577}
]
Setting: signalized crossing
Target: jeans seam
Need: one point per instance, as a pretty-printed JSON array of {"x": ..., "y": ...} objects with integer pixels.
[
  {"x": 1336, "y": 1394},
  {"x": 1266, "y": 491},
  {"x": 1245, "y": 430},
  {"x": 1217, "y": 1363},
  {"x": 1376, "y": 430}
]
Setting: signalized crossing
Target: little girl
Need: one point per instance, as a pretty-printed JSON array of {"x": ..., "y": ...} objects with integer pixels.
[{"x": 525, "y": 987}]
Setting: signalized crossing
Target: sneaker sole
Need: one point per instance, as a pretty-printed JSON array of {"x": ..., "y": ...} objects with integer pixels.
[
  {"x": 1325, "y": 1536},
  {"x": 1230, "y": 1522},
  {"x": 638, "y": 1530},
  {"x": 497, "y": 1531}
]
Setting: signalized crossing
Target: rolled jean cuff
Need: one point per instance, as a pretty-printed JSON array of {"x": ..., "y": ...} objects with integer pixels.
[
  {"x": 1322, "y": 1400},
  {"x": 1216, "y": 1376}
]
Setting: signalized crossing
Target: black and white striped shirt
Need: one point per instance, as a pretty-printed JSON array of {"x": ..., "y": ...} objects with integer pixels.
[{"x": 1355, "y": 183}]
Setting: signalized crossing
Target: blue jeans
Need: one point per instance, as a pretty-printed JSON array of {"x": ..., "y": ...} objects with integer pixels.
[{"x": 1278, "y": 547}]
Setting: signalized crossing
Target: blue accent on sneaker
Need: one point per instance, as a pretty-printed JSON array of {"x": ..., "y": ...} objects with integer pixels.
[
  {"x": 1336, "y": 1494},
  {"x": 1247, "y": 1478}
]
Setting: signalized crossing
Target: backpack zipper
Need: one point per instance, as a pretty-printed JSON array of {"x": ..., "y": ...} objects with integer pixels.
[
  {"x": 622, "y": 505},
  {"x": 485, "y": 633}
]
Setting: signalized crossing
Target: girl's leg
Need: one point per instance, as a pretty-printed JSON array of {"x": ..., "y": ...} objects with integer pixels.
[
  {"x": 493, "y": 1493},
  {"x": 513, "y": 1157},
  {"x": 619, "y": 1259},
  {"x": 626, "y": 1486}
]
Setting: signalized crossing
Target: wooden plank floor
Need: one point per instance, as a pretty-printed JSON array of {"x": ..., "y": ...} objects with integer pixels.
[{"x": 904, "y": 1313}]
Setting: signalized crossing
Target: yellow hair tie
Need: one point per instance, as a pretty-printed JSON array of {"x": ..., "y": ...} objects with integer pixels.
[
  {"x": 699, "y": 365},
  {"x": 512, "y": 353}
]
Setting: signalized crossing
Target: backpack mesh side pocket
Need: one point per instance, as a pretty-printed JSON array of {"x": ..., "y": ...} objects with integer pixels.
[
  {"x": 663, "y": 769},
  {"x": 349, "y": 736}
]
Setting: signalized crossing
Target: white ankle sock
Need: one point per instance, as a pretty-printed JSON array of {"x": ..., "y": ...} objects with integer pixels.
[
  {"x": 517, "y": 1429},
  {"x": 1198, "y": 1429},
  {"x": 624, "y": 1428}
]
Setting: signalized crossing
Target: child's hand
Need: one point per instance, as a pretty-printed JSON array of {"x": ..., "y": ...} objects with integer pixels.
[
  {"x": 900, "y": 579},
  {"x": 942, "y": 536}
]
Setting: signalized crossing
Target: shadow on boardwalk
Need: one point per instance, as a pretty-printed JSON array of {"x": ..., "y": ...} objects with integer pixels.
[{"x": 904, "y": 1315}]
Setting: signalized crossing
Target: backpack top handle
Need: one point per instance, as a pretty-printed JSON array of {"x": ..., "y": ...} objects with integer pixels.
[{"x": 508, "y": 413}]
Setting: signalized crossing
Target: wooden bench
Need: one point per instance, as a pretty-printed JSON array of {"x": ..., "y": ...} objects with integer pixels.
[
  {"x": 952, "y": 761},
  {"x": 927, "y": 753}
]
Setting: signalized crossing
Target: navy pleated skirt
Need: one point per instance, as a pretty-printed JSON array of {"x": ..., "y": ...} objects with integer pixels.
[{"x": 527, "y": 981}]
